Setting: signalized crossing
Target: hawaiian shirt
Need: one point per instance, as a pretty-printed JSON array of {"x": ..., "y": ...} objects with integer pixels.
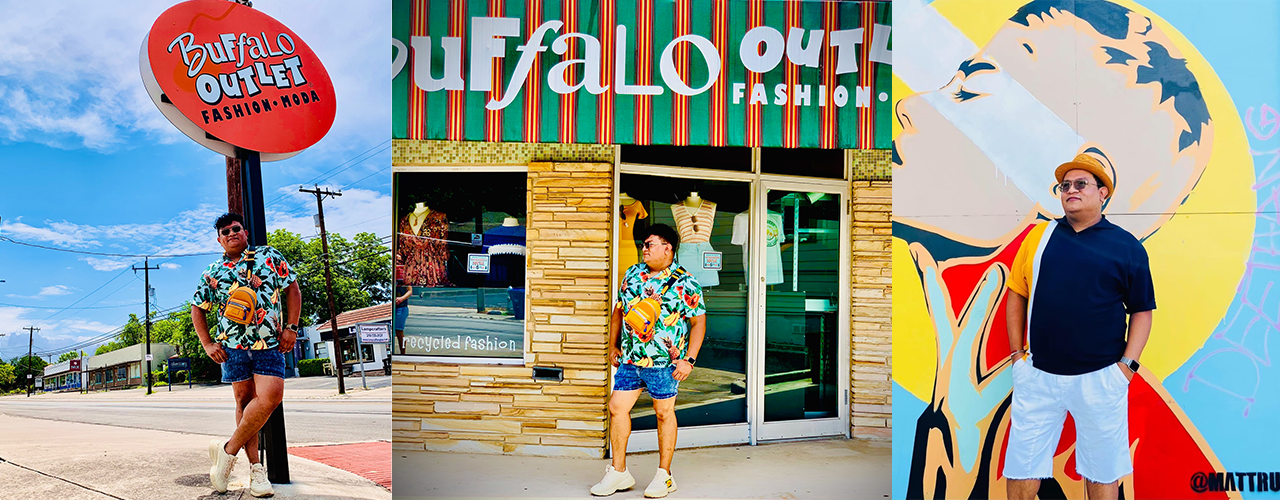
[
  {"x": 225, "y": 275},
  {"x": 670, "y": 340}
]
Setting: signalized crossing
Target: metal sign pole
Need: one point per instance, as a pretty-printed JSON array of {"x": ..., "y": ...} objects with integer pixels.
[
  {"x": 360, "y": 356},
  {"x": 271, "y": 438}
]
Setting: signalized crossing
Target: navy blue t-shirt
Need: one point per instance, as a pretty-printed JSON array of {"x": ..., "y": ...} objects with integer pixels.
[{"x": 1086, "y": 285}]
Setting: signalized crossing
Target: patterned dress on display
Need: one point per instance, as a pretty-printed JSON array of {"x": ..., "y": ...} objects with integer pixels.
[{"x": 425, "y": 255}]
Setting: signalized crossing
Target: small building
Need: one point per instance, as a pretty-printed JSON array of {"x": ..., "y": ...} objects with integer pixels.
[
  {"x": 61, "y": 376},
  {"x": 124, "y": 368},
  {"x": 372, "y": 355}
]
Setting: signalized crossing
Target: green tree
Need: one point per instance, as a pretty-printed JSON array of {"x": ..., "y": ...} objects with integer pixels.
[
  {"x": 361, "y": 270},
  {"x": 68, "y": 355},
  {"x": 24, "y": 365},
  {"x": 7, "y": 377}
]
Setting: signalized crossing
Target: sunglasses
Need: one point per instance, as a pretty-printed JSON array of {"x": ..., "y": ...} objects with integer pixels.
[
  {"x": 646, "y": 245},
  {"x": 230, "y": 230},
  {"x": 1079, "y": 184}
]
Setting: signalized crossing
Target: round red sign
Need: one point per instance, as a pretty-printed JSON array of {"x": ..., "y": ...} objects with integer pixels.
[{"x": 240, "y": 76}]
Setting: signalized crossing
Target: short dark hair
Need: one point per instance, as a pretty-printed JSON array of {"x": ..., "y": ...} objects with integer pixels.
[
  {"x": 226, "y": 220},
  {"x": 662, "y": 231}
]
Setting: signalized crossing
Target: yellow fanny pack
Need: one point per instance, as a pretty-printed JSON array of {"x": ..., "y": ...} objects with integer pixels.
[
  {"x": 643, "y": 317},
  {"x": 242, "y": 302}
]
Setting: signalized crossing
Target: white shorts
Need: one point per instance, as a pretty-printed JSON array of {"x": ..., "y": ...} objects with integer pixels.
[
  {"x": 1099, "y": 403},
  {"x": 690, "y": 257}
]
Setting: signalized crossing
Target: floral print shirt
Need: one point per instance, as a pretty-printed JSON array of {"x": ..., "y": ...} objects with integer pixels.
[
  {"x": 225, "y": 275},
  {"x": 670, "y": 340}
]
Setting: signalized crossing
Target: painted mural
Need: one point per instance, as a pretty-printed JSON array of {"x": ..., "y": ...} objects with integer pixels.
[{"x": 991, "y": 95}]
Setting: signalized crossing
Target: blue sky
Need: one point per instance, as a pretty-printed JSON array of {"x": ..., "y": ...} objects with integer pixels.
[{"x": 88, "y": 163}]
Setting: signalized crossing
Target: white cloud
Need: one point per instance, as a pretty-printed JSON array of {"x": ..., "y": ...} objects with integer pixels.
[
  {"x": 48, "y": 291},
  {"x": 170, "y": 265},
  {"x": 107, "y": 264},
  {"x": 55, "y": 290}
]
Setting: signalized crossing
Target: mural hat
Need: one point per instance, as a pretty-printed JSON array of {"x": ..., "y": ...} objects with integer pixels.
[{"x": 1089, "y": 164}]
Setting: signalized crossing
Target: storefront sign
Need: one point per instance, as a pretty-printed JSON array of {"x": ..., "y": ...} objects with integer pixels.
[
  {"x": 478, "y": 263},
  {"x": 713, "y": 261},
  {"x": 669, "y": 72},
  {"x": 75, "y": 365},
  {"x": 230, "y": 76},
  {"x": 374, "y": 333},
  {"x": 477, "y": 239},
  {"x": 179, "y": 363}
]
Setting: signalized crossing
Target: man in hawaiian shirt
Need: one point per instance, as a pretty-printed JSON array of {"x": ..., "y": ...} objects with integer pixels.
[
  {"x": 655, "y": 358},
  {"x": 251, "y": 355}
]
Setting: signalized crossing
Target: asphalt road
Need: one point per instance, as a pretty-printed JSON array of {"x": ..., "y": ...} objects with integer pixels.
[{"x": 210, "y": 411}]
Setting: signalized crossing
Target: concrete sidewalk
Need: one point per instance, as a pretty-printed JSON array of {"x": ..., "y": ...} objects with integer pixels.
[
  {"x": 295, "y": 389},
  {"x": 832, "y": 468},
  {"x": 72, "y": 461}
]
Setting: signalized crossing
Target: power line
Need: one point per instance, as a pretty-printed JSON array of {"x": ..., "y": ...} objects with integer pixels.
[
  {"x": 103, "y": 254},
  {"x": 316, "y": 178},
  {"x": 69, "y": 308}
]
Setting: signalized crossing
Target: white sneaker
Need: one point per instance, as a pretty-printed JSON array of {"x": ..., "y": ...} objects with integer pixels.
[
  {"x": 220, "y": 473},
  {"x": 612, "y": 482},
  {"x": 259, "y": 485},
  {"x": 661, "y": 485}
]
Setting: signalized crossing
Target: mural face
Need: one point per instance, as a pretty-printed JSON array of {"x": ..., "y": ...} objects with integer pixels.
[{"x": 994, "y": 95}]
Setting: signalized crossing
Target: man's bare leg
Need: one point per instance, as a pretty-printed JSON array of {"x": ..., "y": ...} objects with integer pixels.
[
  {"x": 665, "y": 409},
  {"x": 1022, "y": 489},
  {"x": 268, "y": 391},
  {"x": 1102, "y": 491},
  {"x": 620, "y": 404},
  {"x": 244, "y": 392}
]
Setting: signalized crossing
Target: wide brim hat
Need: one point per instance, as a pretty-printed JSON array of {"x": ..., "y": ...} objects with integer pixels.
[{"x": 1089, "y": 164}]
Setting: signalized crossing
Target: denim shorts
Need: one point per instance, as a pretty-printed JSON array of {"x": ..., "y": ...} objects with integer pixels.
[
  {"x": 658, "y": 381},
  {"x": 402, "y": 316},
  {"x": 243, "y": 364}
]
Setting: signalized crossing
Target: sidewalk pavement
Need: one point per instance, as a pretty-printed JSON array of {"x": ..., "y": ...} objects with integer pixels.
[
  {"x": 831, "y": 468},
  {"x": 73, "y": 461},
  {"x": 295, "y": 389}
]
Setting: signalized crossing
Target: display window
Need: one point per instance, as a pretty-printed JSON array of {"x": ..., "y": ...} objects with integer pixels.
[
  {"x": 705, "y": 214},
  {"x": 460, "y": 261}
]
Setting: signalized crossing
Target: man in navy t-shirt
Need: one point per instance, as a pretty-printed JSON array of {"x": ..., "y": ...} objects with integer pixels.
[{"x": 1082, "y": 298}]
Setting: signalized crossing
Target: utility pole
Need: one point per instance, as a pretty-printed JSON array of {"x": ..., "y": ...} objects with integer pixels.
[
  {"x": 328, "y": 281},
  {"x": 146, "y": 273},
  {"x": 30, "y": 373}
]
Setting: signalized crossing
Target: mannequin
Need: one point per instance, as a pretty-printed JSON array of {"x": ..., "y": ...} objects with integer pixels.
[
  {"x": 694, "y": 218},
  {"x": 628, "y": 252},
  {"x": 422, "y": 249},
  {"x": 418, "y": 216}
]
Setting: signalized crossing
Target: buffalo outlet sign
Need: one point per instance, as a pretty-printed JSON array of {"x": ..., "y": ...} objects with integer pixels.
[
  {"x": 230, "y": 76},
  {"x": 678, "y": 72}
]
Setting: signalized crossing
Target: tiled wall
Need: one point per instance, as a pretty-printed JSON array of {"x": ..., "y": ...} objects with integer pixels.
[
  {"x": 872, "y": 309},
  {"x": 409, "y": 152},
  {"x": 872, "y": 164}
]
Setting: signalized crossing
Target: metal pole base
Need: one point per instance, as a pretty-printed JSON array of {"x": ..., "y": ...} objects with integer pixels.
[{"x": 273, "y": 448}]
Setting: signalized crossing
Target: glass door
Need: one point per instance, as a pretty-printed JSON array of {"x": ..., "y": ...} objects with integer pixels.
[{"x": 801, "y": 339}]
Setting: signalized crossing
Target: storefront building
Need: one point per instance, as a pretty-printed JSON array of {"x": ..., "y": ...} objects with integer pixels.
[
  {"x": 517, "y": 217},
  {"x": 62, "y": 377},
  {"x": 372, "y": 355},
  {"x": 124, "y": 368}
]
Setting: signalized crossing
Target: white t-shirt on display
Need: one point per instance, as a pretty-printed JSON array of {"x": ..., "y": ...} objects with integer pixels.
[{"x": 773, "y": 244}]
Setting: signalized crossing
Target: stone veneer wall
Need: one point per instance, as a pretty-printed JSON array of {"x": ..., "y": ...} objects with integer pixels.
[
  {"x": 500, "y": 408},
  {"x": 872, "y": 303}
]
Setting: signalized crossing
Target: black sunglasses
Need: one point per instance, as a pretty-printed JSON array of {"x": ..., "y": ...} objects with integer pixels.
[{"x": 230, "y": 230}]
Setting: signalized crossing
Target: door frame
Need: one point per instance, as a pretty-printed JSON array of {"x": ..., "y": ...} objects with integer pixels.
[
  {"x": 792, "y": 429},
  {"x": 754, "y": 429}
]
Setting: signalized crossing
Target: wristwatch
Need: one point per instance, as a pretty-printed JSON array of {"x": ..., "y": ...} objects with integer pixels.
[
  {"x": 1132, "y": 364},
  {"x": 293, "y": 327},
  {"x": 692, "y": 361}
]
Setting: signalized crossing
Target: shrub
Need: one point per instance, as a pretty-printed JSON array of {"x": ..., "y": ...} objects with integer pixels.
[{"x": 311, "y": 367}]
